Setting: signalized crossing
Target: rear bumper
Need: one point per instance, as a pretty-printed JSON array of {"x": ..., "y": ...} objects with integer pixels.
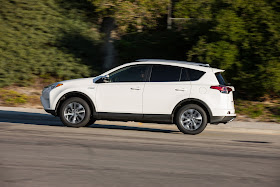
[{"x": 222, "y": 119}]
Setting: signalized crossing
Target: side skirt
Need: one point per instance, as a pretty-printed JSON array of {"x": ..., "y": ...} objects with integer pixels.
[{"x": 148, "y": 118}]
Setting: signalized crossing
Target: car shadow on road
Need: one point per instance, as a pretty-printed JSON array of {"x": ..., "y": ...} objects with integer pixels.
[
  {"x": 49, "y": 120},
  {"x": 29, "y": 118},
  {"x": 132, "y": 128}
]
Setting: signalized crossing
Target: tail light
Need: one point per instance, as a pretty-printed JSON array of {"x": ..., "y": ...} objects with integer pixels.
[{"x": 222, "y": 89}]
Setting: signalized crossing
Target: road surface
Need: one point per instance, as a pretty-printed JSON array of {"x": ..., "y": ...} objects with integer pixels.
[{"x": 36, "y": 150}]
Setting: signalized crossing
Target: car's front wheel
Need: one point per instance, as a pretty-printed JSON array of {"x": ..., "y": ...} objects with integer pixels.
[
  {"x": 91, "y": 121},
  {"x": 75, "y": 112},
  {"x": 191, "y": 119}
]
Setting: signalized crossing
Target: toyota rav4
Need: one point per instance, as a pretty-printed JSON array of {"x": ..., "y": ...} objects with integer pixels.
[{"x": 187, "y": 94}]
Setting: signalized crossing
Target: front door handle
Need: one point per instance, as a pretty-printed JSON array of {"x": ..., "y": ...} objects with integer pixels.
[
  {"x": 135, "y": 88},
  {"x": 180, "y": 89}
]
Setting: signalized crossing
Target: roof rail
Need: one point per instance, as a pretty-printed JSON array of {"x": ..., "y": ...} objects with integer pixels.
[{"x": 175, "y": 61}]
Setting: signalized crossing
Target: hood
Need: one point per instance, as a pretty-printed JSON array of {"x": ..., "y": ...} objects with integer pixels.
[{"x": 78, "y": 81}]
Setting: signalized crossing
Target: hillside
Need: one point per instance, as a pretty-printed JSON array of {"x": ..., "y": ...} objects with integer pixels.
[{"x": 50, "y": 38}]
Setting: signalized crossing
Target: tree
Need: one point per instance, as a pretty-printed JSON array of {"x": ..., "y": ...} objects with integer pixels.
[
  {"x": 242, "y": 37},
  {"x": 131, "y": 15}
]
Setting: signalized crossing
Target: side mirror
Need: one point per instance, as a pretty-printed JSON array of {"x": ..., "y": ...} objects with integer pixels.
[
  {"x": 106, "y": 78},
  {"x": 103, "y": 79}
]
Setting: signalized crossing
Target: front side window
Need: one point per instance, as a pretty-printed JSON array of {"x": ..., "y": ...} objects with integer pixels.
[
  {"x": 136, "y": 73},
  {"x": 165, "y": 73}
]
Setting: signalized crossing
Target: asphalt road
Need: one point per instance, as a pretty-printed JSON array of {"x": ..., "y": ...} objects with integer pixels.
[{"x": 36, "y": 150}]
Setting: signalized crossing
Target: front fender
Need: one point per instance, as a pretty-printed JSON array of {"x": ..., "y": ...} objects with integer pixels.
[{"x": 55, "y": 97}]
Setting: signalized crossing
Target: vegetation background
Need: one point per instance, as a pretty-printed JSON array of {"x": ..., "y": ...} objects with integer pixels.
[{"x": 42, "y": 41}]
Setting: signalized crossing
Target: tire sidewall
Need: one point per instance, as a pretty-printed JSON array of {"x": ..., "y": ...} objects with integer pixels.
[
  {"x": 91, "y": 121},
  {"x": 86, "y": 119},
  {"x": 200, "y": 110}
]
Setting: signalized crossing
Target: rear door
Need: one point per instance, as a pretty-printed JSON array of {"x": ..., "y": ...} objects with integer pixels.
[{"x": 168, "y": 85}]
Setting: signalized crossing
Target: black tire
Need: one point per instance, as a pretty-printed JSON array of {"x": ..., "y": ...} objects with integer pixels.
[
  {"x": 190, "y": 128},
  {"x": 77, "y": 102},
  {"x": 91, "y": 121}
]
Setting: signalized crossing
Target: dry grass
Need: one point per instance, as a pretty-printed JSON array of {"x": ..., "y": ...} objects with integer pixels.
[
  {"x": 28, "y": 97},
  {"x": 20, "y": 97},
  {"x": 268, "y": 110}
]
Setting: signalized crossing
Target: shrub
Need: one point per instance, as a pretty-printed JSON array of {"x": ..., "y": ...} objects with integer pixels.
[{"x": 49, "y": 37}]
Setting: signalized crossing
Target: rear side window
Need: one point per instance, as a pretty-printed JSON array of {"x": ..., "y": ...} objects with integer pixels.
[
  {"x": 195, "y": 74},
  {"x": 221, "y": 79},
  {"x": 184, "y": 75},
  {"x": 165, "y": 73}
]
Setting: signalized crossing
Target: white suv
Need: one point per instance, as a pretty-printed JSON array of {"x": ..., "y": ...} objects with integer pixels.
[{"x": 162, "y": 91}]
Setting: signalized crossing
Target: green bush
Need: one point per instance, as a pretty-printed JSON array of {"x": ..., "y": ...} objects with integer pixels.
[
  {"x": 47, "y": 37},
  {"x": 153, "y": 44}
]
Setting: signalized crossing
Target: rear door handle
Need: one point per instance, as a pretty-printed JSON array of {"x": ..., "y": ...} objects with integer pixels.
[
  {"x": 180, "y": 89},
  {"x": 135, "y": 88}
]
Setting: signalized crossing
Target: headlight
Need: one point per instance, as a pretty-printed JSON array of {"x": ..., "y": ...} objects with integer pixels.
[{"x": 52, "y": 86}]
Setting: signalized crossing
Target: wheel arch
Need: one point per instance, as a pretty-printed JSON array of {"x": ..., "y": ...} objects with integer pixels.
[
  {"x": 198, "y": 102},
  {"x": 75, "y": 94}
]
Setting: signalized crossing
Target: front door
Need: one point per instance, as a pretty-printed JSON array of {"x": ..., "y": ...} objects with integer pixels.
[{"x": 123, "y": 93}]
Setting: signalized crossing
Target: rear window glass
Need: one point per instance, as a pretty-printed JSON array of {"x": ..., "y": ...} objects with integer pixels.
[
  {"x": 184, "y": 75},
  {"x": 195, "y": 74},
  {"x": 221, "y": 79},
  {"x": 165, "y": 73}
]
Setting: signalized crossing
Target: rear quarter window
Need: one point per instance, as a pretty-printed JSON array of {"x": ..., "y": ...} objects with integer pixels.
[
  {"x": 221, "y": 79},
  {"x": 195, "y": 74}
]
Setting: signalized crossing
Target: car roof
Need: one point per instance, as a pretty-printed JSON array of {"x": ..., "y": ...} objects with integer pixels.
[
  {"x": 193, "y": 65},
  {"x": 173, "y": 61}
]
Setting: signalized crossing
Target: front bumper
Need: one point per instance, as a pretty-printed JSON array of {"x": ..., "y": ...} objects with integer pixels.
[
  {"x": 45, "y": 102},
  {"x": 52, "y": 112},
  {"x": 221, "y": 119},
  {"x": 46, "y": 105}
]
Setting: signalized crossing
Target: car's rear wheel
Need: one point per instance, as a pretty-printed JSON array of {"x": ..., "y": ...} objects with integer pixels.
[
  {"x": 75, "y": 112},
  {"x": 191, "y": 119}
]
